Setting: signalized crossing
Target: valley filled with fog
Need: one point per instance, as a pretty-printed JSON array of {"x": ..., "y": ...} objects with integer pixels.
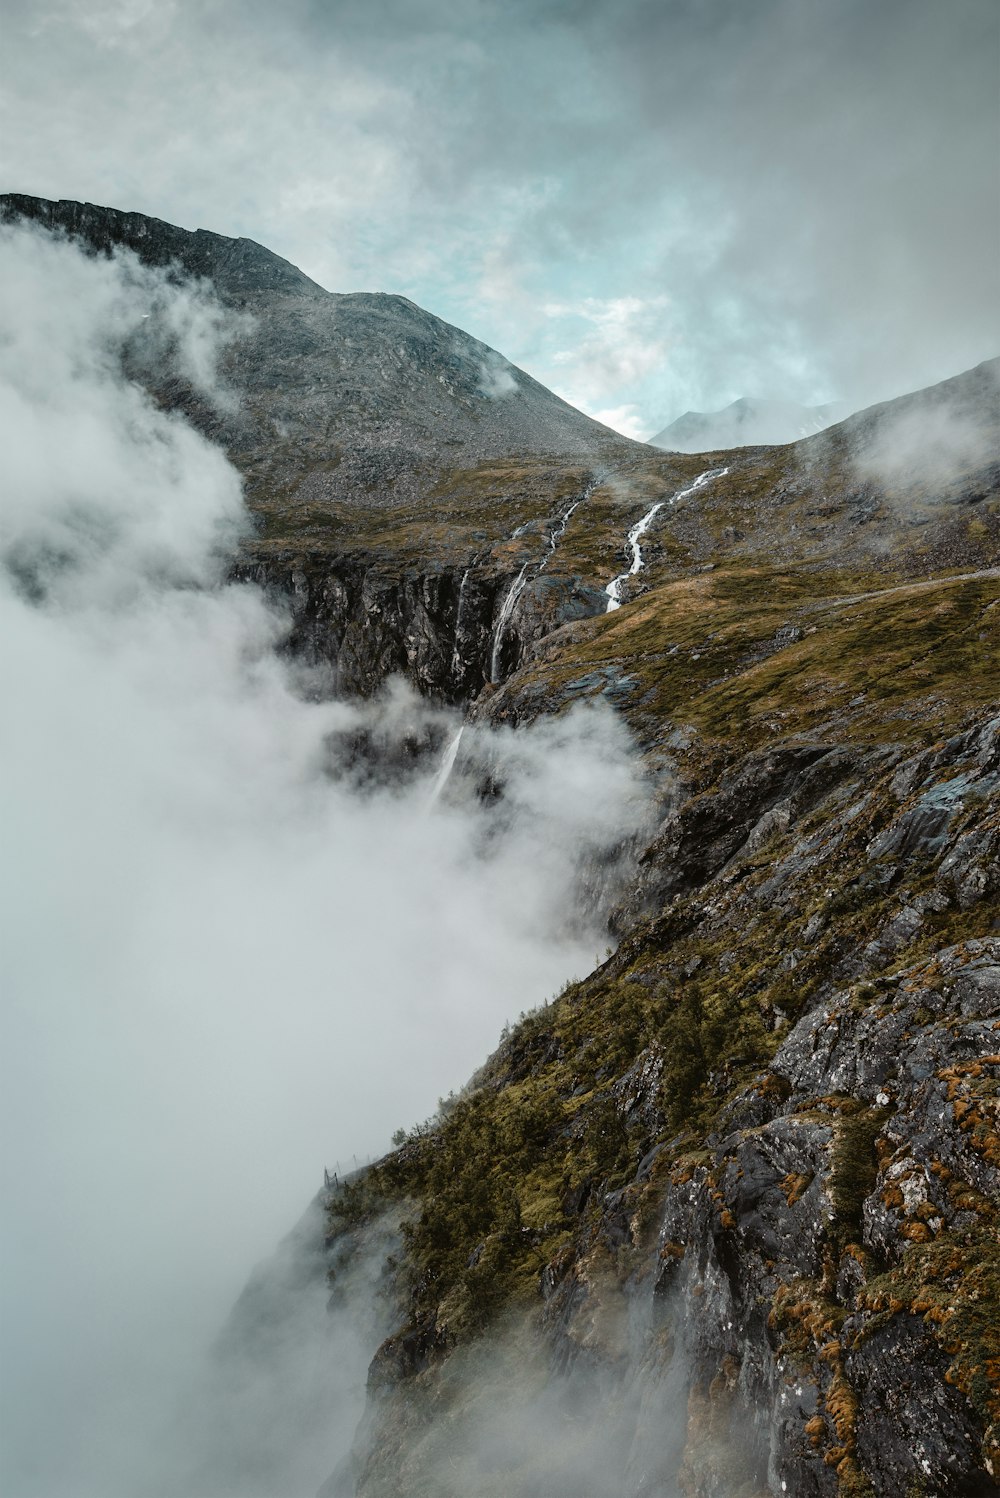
[{"x": 231, "y": 957}]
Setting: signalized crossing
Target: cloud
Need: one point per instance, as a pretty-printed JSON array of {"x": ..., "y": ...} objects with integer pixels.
[
  {"x": 518, "y": 1414},
  {"x": 496, "y": 378},
  {"x": 809, "y": 185},
  {"x": 614, "y": 346},
  {"x": 930, "y": 443},
  {"x": 626, "y": 419},
  {"x": 223, "y": 966},
  {"x": 276, "y": 1407}
]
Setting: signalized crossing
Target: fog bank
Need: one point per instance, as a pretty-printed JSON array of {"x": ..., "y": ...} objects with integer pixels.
[{"x": 224, "y": 966}]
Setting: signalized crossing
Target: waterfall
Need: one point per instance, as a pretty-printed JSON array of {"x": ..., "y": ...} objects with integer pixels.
[
  {"x": 560, "y": 530},
  {"x": 447, "y": 765},
  {"x": 518, "y": 585},
  {"x": 614, "y": 588},
  {"x": 507, "y": 608},
  {"x": 456, "y": 659}
]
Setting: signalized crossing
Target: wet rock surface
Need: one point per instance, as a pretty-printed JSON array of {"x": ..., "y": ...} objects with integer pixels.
[
  {"x": 794, "y": 1223},
  {"x": 443, "y": 628},
  {"x": 915, "y": 1429},
  {"x": 366, "y": 624}
]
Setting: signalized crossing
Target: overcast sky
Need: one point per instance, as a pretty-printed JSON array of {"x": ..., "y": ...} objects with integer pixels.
[{"x": 650, "y": 204}]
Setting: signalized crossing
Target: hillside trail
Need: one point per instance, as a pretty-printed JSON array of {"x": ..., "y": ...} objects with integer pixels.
[{"x": 915, "y": 587}]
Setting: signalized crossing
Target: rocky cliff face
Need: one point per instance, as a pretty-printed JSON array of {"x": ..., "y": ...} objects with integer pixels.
[
  {"x": 736, "y": 1192},
  {"x": 766, "y": 1128},
  {"x": 771, "y": 1117},
  {"x": 450, "y": 627}
]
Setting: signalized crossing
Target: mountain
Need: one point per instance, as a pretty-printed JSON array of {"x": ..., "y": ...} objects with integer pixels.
[
  {"x": 363, "y": 395},
  {"x": 721, "y": 1218},
  {"x": 747, "y": 423}
]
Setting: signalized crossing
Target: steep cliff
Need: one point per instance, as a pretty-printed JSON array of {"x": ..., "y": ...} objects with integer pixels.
[
  {"x": 770, "y": 1118},
  {"x": 727, "y": 1208},
  {"x": 764, "y": 1133}
]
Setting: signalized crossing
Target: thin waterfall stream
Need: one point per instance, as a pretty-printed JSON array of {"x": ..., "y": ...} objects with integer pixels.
[
  {"x": 520, "y": 582},
  {"x": 456, "y": 658},
  {"x": 506, "y": 609},
  {"x": 635, "y": 535},
  {"x": 446, "y": 767}
]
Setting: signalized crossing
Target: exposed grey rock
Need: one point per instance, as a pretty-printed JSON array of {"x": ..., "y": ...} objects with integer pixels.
[
  {"x": 763, "y": 1217},
  {"x": 916, "y": 1433},
  {"x": 362, "y": 396}
]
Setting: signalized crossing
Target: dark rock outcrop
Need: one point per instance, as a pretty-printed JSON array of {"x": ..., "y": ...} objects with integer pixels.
[
  {"x": 450, "y": 630},
  {"x": 795, "y": 1238}
]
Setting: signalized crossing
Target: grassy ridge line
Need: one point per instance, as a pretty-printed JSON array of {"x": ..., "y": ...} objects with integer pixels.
[{"x": 772, "y": 504}]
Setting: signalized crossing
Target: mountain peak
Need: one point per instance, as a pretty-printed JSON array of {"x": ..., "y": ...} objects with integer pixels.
[
  {"x": 360, "y": 395},
  {"x": 235, "y": 266},
  {"x": 749, "y": 421}
]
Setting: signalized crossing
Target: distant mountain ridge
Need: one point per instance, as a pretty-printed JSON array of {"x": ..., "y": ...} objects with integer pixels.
[{"x": 748, "y": 422}]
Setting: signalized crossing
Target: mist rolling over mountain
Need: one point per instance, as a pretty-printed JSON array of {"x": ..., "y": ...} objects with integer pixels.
[
  {"x": 363, "y": 396},
  {"x": 243, "y": 916},
  {"x": 396, "y": 753},
  {"x": 650, "y": 207}
]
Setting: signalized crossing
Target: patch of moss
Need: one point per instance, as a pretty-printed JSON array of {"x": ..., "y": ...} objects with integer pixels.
[
  {"x": 854, "y": 1167},
  {"x": 706, "y": 651}
]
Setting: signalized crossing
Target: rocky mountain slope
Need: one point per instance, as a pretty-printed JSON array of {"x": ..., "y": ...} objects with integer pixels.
[
  {"x": 737, "y": 1190},
  {"x": 769, "y": 1121},
  {"x": 361, "y": 397},
  {"x": 747, "y": 423}
]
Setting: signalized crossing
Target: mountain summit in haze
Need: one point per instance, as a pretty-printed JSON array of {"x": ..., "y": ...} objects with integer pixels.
[{"x": 747, "y": 423}]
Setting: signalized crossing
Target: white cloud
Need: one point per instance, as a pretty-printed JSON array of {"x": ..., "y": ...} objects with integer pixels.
[
  {"x": 625, "y": 419},
  {"x": 496, "y": 379},
  {"x": 223, "y": 968},
  {"x": 617, "y": 344}
]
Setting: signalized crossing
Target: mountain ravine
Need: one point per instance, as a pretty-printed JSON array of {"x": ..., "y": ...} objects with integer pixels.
[{"x": 721, "y": 1219}]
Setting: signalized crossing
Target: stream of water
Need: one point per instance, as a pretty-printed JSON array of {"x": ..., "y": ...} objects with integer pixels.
[
  {"x": 519, "y": 583},
  {"x": 635, "y": 535},
  {"x": 447, "y": 765}
]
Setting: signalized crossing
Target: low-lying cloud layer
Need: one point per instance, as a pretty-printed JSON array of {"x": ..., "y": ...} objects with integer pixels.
[{"x": 225, "y": 966}]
